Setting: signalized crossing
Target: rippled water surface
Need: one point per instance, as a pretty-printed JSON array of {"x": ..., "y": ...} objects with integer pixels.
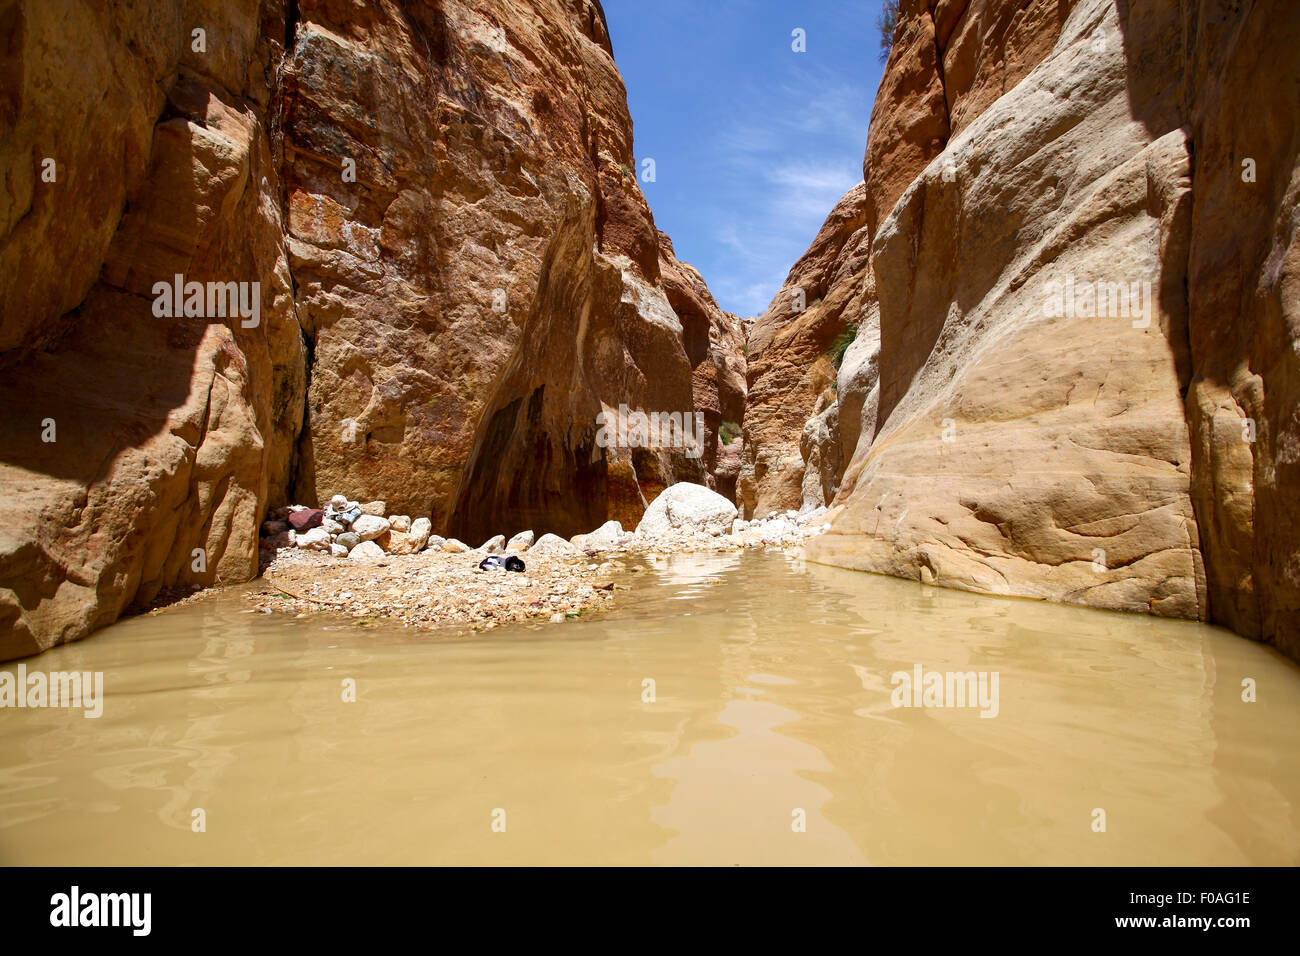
[{"x": 772, "y": 685}]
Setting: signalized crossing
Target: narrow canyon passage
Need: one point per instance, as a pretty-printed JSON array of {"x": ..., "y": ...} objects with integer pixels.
[
  {"x": 384, "y": 484},
  {"x": 771, "y": 695}
]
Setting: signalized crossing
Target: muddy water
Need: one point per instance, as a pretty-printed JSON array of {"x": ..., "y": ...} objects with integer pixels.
[{"x": 771, "y": 704}]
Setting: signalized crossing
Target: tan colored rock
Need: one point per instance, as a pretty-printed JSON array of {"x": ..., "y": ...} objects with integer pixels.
[
  {"x": 367, "y": 552},
  {"x": 715, "y": 347},
  {"x": 1022, "y": 451},
  {"x": 491, "y": 280},
  {"x": 520, "y": 542},
  {"x": 173, "y": 435},
  {"x": 1244, "y": 319},
  {"x": 552, "y": 545},
  {"x": 793, "y": 349},
  {"x": 492, "y": 151},
  {"x": 607, "y": 537}
]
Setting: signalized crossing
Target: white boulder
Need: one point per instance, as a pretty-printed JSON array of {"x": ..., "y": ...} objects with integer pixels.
[
  {"x": 367, "y": 552},
  {"x": 688, "y": 507},
  {"x": 554, "y": 545},
  {"x": 317, "y": 539},
  {"x": 607, "y": 537},
  {"x": 419, "y": 533},
  {"x": 369, "y": 527}
]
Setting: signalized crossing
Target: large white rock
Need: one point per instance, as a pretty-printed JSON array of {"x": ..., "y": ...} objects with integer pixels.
[
  {"x": 369, "y": 527},
  {"x": 411, "y": 539},
  {"x": 688, "y": 507},
  {"x": 493, "y": 544},
  {"x": 419, "y": 533},
  {"x": 317, "y": 539},
  {"x": 607, "y": 537},
  {"x": 553, "y": 544},
  {"x": 455, "y": 546},
  {"x": 520, "y": 542},
  {"x": 367, "y": 552}
]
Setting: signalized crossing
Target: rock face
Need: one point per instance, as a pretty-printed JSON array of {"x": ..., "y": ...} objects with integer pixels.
[
  {"x": 143, "y": 448},
  {"x": 449, "y": 269},
  {"x": 794, "y": 351},
  {"x": 492, "y": 277},
  {"x": 1074, "y": 375}
]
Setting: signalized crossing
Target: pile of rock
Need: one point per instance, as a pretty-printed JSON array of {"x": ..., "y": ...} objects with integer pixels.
[
  {"x": 433, "y": 591},
  {"x": 346, "y": 529},
  {"x": 685, "y": 517}
]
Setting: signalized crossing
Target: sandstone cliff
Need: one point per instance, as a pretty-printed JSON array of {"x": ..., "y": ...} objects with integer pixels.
[
  {"x": 1075, "y": 353},
  {"x": 456, "y": 271}
]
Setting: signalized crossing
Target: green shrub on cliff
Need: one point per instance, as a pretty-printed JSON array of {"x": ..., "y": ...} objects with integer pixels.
[{"x": 887, "y": 22}]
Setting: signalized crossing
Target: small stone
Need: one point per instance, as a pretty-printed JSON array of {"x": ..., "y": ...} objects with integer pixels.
[
  {"x": 374, "y": 508},
  {"x": 400, "y": 522},
  {"x": 333, "y": 526},
  {"x": 453, "y": 546},
  {"x": 436, "y": 541},
  {"x": 338, "y": 550},
  {"x": 348, "y": 540},
  {"x": 520, "y": 542},
  {"x": 493, "y": 544}
]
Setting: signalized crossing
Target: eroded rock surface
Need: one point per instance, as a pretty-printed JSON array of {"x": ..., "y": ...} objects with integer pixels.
[
  {"x": 456, "y": 272},
  {"x": 1128, "y": 450}
]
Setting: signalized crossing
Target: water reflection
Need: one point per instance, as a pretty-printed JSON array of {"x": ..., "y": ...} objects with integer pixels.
[{"x": 770, "y": 708}]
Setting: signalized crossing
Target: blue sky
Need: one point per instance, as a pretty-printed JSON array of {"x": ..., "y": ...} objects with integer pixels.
[{"x": 753, "y": 143}]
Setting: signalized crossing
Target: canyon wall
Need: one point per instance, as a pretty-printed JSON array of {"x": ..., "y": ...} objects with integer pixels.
[
  {"x": 456, "y": 272},
  {"x": 1073, "y": 367}
]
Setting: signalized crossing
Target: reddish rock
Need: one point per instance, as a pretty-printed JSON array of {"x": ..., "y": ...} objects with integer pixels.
[{"x": 306, "y": 519}]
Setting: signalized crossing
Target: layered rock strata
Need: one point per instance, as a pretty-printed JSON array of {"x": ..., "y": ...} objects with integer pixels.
[
  {"x": 448, "y": 265},
  {"x": 1079, "y": 298}
]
